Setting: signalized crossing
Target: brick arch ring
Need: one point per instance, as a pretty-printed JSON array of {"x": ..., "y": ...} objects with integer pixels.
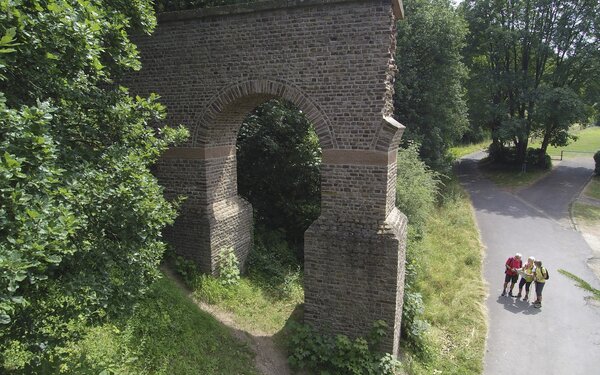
[{"x": 271, "y": 89}]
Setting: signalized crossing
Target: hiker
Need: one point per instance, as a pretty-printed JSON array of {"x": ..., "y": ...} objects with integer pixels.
[
  {"x": 526, "y": 278},
  {"x": 512, "y": 275},
  {"x": 540, "y": 275}
]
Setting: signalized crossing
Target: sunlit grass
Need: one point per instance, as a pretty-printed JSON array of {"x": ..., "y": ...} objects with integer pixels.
[
  {"x": 586, "y": 213},
  {"x": 587, "y": 143},
  {"x": 450, "y": 279},
  {"x": 593, "y": 188},
  {"x": 458, "y": 152},
  {"x": 253, "y": 305},
  {"x": 581, "y": 283},
  {"x": 166, "y": 334}
]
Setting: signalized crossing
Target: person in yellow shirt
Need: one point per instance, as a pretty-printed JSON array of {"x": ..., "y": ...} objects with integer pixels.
[
  {"x": 526, "y": 278},
  {"x": 540, "y": 275}
]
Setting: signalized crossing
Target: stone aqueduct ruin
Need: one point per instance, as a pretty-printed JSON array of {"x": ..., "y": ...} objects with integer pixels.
[{"x": 334, "y": 59}]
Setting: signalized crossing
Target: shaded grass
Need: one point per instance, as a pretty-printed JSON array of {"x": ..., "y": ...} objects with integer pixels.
[
  {"x": 592, "y": 190},
  {"x": 450, "y": 279},
  {"x": 458, "y": 152},
  {"x": 588, "y": 141},
  {"x": 587, "y": 213},
  {"x": 582, "y": 284},
  {"x": 166, "y": 334},
  {"x": 509, "y": 176}
]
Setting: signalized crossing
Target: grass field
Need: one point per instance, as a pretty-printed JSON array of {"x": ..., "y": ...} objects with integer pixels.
[
  {"x": 166, "y": 334},
  {"x": 592, "y": 190},
  {"x": 450, "y": 279},
  {"x": 586, "y": 145},
  {"x": 587, "y": 213}
]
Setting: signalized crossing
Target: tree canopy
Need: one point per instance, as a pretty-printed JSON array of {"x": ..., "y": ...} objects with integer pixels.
[
  {"x": 526, "y": 58},
  {"x": 429, "y": 96}
]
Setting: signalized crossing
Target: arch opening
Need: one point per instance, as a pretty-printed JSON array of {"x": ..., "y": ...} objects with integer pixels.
[{"x": 278, "y": 172}]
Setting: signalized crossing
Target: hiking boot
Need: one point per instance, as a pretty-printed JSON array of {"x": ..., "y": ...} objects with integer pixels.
[
  {"x": 537, "y": 305},
  {"x": 510, "y": 294},
  {"x": 503, "y": 294},
  {"x": 519, "y": 295},
  {"x": 526, "y": 298}
]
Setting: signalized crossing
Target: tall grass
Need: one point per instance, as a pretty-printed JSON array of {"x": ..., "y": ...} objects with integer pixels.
[{"x": 450, "y": 279}]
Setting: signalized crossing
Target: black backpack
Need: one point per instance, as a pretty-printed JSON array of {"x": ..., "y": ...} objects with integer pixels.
[{"x": 545, "y": 270}]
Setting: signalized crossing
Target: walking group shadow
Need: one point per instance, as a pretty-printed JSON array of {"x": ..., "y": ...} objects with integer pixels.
[{"x": 518, "y": 306}]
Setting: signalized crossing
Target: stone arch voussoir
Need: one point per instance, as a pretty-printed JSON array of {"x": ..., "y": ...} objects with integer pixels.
[{"x": 264, "y": 89}]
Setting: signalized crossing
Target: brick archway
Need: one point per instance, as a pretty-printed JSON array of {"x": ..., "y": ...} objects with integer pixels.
[
  {"x": 235, "y": 101},
  {"x": 334, "y": 60}
]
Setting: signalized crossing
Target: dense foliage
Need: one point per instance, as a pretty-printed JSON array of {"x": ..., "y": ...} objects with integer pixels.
[
  {"x": 80, "y": 214},
  {"x": 533, "y": 64},
  {"x": 429, "y": 97},
  {"x": 416, "y": 196},
  {"x": 339, "y": 354},
  {"x": 278, "y": 157}
]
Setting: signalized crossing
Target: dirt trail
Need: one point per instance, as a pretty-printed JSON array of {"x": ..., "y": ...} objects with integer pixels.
[{"x": 269, "y": 359}]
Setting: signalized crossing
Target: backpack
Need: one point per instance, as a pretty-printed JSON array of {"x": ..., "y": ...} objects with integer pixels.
[{"x": 547, "y": 276}]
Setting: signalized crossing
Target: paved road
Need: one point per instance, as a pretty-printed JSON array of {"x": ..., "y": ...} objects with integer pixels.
[{"x": 563, "y": 337}]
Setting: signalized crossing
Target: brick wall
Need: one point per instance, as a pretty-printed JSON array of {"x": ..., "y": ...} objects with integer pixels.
[{"x": 334, "y": 60}]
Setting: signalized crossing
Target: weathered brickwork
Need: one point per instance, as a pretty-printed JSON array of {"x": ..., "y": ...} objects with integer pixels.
[{"x": 334, "y": 60}]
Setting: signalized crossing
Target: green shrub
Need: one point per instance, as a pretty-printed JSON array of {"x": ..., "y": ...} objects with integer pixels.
[
  {"x": 274, "y": 265},
  {"x": 417, "y": 186},
  {"x": 417, "y": 191},
  {"x": 80, "y": 213},
  {"x": 597, "y": 160},
  {"x": 229, "y": 268},
  {"x": 340, "y": 355}
]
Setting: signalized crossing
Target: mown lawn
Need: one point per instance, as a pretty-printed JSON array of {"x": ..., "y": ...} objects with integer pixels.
[
  {"x": 593, "y": 188},
  {"x": 166, "y": 334},
  {"x": 587, "y": 143},
  {"x": 450, "y": 279},
  {"x": 587, "y": 213}
]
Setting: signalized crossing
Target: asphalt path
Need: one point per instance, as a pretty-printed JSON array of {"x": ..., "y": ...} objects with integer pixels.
[{"x": 563, "y": 337}]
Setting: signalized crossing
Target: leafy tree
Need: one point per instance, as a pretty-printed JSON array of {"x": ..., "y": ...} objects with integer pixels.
[
  {"x": 80, "y": 213},
  {"x": 278, "y": 168},
  {"x": 557, "y": 108},
  {"x": 520, "y": 50},
  {"x": 429, "y": 97}
]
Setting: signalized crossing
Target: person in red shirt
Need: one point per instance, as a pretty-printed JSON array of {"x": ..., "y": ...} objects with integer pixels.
[{"x": 511, "y": 274}]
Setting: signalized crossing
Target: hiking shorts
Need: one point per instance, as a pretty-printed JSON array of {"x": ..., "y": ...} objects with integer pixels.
[
  {"x": 512, "y": 278},
  {"x": 538, "y": 288}
]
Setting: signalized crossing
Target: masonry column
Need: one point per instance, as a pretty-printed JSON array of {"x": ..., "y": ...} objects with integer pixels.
[
  {"x": 213, "y": 217},
  {"x": 355, "y": 252}
]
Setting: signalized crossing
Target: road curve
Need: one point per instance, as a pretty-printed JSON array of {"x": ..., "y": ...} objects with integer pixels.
[{"x": 563, "y": 337}]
